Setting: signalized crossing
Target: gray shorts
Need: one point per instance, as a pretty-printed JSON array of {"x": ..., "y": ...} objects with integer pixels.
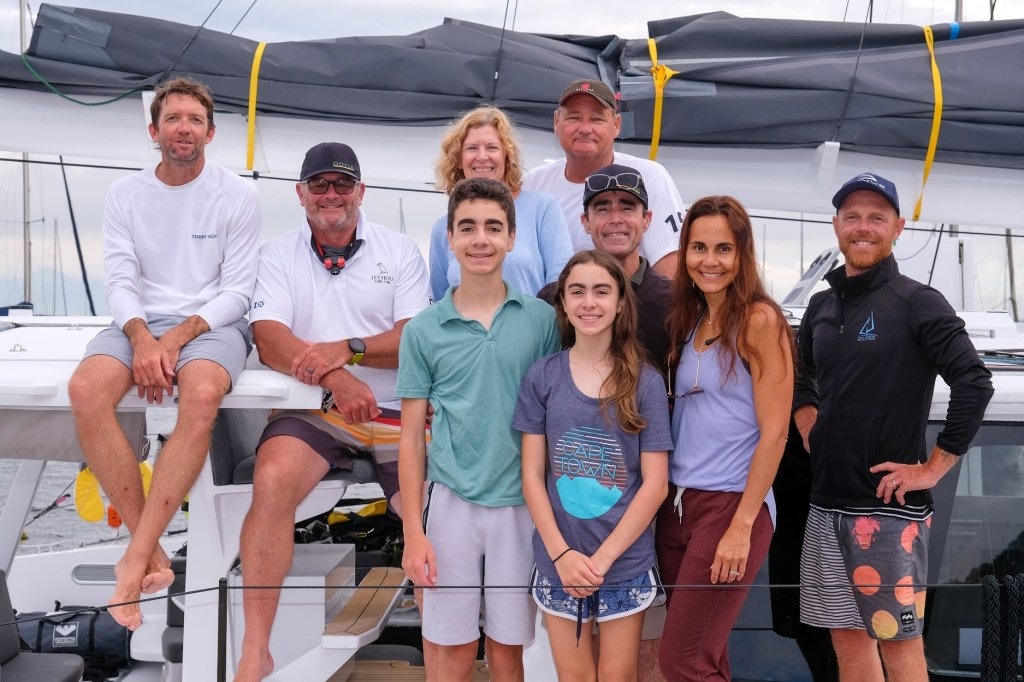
[
  {"x": 474, "y": 546},
  {"x": 864, "y": 572},
  {"x": 228, "y": 346}
]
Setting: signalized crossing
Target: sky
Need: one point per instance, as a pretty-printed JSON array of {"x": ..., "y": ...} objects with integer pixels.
[{"x": 277, "y": 20}]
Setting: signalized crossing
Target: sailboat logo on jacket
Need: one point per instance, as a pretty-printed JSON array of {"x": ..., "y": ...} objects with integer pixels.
[{"x": 867, "y": 332}]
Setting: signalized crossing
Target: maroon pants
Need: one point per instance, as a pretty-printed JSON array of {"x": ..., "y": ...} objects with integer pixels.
[{"x": 696, "y": 638}]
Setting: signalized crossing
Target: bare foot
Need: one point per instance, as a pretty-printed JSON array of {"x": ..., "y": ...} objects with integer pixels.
[
  {"x": 126, "y": 589},
  {"x": 255, "y": 667},
  {"x": 157, "y": 579}
]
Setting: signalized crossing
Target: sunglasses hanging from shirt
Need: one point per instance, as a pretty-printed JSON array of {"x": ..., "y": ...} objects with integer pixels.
[{"x": 332, "y": 258}]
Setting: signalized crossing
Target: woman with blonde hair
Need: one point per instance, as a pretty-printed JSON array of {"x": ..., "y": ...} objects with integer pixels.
[{"x": 482, "y": 143}]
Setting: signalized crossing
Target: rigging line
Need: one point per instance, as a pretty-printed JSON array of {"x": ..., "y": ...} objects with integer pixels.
[
  {"x": 60, "y": 269},
  {"x": 515, "y": 13},
  {"x": 853, "y": 78},
  {"x": 935, "y": 257},
  {"x": 78, "y": 240},
  {"x": 924, "y": 246},
  {"x": 189, "y": 43},
  {"x": 501, "y": 43},
  {"x": 53, "y": 505},
  {"x": 232, "y": 31}
]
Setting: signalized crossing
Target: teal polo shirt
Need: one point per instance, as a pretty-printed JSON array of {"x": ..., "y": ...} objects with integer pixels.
[{"x": 471, "y": 377}]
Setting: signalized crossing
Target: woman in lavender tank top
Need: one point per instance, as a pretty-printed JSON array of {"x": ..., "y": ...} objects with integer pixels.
[{"x": 731, "y": 375}]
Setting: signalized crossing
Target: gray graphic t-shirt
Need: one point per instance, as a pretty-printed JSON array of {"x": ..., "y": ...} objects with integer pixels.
[{"x": 593, "y": 465}]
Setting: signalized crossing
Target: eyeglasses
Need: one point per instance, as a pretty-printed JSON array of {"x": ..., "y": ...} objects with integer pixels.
[
  {"x": 599, "y": 182},
  {"x": 696, "y": 389},
  {"x": 320, "y": 185}
]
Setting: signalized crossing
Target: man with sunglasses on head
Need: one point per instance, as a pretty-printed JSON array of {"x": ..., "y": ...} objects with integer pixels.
[
  {"x": 616, "y": 218},
  {"x": 331, "y": 300},
  {"x": 586, "y": 123}
]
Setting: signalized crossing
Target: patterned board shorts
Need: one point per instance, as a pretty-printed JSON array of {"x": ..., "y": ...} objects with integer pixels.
[
  {"x": 864, "y": 572},
  {"x": 617, "y": 601}
]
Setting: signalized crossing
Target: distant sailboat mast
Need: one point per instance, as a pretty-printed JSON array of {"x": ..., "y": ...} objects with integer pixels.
[{"x": 24, "y": 180}]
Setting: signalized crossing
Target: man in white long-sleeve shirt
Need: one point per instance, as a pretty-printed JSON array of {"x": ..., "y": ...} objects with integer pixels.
[{"x": 180, "y": 250}]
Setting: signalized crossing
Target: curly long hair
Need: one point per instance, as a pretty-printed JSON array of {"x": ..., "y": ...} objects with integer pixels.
[
  {"x": 449, "y": 166},
  {"x": 744, "y": 293},
  {"x": 625, "y": 352}
]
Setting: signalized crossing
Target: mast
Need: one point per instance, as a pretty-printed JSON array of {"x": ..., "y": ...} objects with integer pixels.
[{"x": 24, "y": 180}]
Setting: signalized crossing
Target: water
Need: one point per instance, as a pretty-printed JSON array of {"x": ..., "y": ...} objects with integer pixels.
[{"x": 62, "y": 528}]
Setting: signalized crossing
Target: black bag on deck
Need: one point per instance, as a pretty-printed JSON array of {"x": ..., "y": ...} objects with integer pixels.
[{"x": 92, "y": 634}]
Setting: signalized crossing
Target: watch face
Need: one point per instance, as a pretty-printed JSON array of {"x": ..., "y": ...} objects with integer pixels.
[{"x": 357, "y": 345}]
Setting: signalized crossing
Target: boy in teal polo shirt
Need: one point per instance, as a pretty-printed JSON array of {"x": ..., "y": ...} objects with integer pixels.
[{"x": 466, "y": 355}]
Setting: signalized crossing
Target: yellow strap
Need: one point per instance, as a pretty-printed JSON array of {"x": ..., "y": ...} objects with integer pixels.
[
  {"x": 936, "y": 119},
  {"x": 661, "y": 74},
  {"x": 254, "y": 80}
]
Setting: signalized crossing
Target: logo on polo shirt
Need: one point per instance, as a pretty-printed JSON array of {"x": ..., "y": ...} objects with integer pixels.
[
  {"x": 867, "y": 332},
  {"x": 258, "y": 304},
  {"x": 382, "y": 276}
]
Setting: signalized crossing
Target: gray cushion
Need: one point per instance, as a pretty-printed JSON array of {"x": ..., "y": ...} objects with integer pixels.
[
  {"x": 29, "y": 667},
  {"x": 19, "y": 666}
]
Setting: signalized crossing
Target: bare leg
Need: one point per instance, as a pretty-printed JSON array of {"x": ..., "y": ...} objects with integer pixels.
[
  {"x": 286, "y": 471},
  {"x": 621, "y": 648},
  {"x": 858, "y": 657},
  {"x": 647, "y": 669},
  {"x": 573, "y": 662},
  {"x": 95, "y": 389},
  {"x": 904, "y": 660},
  {"x": 504, "y": 661},
  {"x": 201, "y": 387},
  {"x": 455, "y": 663}
]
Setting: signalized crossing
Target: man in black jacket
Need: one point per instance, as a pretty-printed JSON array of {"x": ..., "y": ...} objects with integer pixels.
[{"x": 870, "y": 350}]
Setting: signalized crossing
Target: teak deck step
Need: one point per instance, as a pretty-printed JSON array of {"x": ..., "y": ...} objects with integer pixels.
[{"x": 362, "y": 618}]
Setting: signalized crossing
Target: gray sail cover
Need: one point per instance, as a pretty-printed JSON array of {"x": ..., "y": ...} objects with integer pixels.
[{"x": 751, "y": 83}]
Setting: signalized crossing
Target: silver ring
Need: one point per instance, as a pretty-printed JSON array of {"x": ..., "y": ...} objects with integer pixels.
[
  {"x": 893, "y": 481},
  {"x": 310, "y": 370},
  {"x": 734, "y": 572}
]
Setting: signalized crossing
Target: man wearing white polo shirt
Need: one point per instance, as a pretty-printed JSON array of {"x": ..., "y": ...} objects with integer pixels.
[
  {"x": 587, "y": 121},
  {"x": 331, "y": 299}
]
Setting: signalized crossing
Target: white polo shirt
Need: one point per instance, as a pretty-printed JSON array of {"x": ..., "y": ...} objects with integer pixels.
[
  {"x": 384, "y": 282},
  {"x": 662, "y": 237}
]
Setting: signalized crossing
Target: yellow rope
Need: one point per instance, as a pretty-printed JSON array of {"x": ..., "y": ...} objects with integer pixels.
[
  {"x": 936, "y": 119},
  {"x": 254, "y": 80},
  {"x": 661, "y": 74}
]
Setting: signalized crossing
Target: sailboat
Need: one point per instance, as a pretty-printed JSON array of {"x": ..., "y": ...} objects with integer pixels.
[{"x": 777, "y": 113}]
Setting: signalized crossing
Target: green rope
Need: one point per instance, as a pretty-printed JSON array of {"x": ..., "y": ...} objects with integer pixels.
[{"x": 54, "y": 90}]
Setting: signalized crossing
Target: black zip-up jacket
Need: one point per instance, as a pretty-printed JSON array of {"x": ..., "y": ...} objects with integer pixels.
[{"x": 870, "y": 349}]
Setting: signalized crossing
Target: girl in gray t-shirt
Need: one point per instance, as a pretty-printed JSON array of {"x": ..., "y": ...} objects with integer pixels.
[{"x": 596, "y": 433}]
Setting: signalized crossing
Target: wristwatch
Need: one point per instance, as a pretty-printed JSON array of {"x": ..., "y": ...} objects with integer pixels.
[{"x": 358, "y": 349}]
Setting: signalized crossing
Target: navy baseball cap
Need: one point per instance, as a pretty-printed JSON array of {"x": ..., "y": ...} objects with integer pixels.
[
  {"x": 872, "y": 183},
  {"x": 330, "y": 157},
  {"x": 614, "y": 178}
]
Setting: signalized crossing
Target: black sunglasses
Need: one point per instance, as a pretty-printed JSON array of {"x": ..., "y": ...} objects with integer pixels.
[{"x": 320, "y": 185}]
